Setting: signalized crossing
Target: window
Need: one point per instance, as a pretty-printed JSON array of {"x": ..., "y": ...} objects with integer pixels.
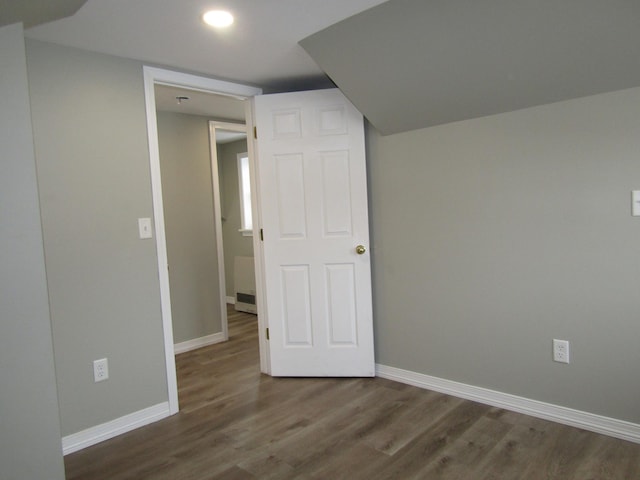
[{"x": 246, "y": 220}]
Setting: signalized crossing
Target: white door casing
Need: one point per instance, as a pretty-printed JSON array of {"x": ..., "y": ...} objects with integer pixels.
[
  {"x": 152, "y": 76},
  {"x": 313, "y": 210}
]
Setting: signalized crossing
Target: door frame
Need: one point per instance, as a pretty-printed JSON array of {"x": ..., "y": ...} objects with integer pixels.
[
  {"x": 217, "y": 205},
  {"x": 153, "y": 76}
]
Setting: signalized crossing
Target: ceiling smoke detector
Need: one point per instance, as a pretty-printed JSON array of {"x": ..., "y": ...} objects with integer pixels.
[{"x": 181, "y": 99}]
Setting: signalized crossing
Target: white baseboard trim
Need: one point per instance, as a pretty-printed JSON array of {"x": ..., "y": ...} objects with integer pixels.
[
  {"x": 231, "y": 300},
  {"x": 567, "y": 416},
  {"x": 105, "y": 431},
  {"x": 198, "y": 342}
]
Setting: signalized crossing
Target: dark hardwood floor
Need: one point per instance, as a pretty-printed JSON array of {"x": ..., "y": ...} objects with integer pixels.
[{"x": 235, "y": 423}]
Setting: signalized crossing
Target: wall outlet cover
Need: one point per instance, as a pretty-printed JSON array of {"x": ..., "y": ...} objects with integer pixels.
[
  {"x": 560, "y": 351},
  {"x": 100, "y": 370}
]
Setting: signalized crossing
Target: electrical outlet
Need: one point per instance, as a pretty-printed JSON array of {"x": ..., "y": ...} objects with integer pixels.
[
  {"x": 561, "y": 351},
  {"x": 100, "y": 370}
]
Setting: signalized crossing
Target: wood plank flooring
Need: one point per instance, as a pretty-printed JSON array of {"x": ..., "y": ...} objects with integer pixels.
[{"x": 235, "y": 423}]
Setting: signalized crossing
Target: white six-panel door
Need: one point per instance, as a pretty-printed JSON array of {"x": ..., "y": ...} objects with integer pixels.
[{"x": 313, "y": 198}]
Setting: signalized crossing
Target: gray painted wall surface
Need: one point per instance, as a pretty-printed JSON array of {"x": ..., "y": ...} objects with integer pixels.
[
  {"x": 491, "y": 237},
  {"x": 93, "y": 172},
  {"x": 185, "y": 163},
  {"x": 235, "y": 244},
  {"x": 409, "y": 64},
  {"x": 29, "y": 424}
]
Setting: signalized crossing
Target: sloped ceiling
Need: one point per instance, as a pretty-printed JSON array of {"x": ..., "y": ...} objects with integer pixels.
[
  {"x": 36, "y": 12},
  {"x": 409, "y": 64}
]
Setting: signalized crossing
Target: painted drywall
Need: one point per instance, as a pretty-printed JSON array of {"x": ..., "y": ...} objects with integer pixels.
[
  {"x": 491, "y": 237},
  {"x": 29, "y": 424},
  {"x": 93, "y": 173},
  {"x": 185, "y": 164},
  {"x": 409, "y": 64},
  {"x": 235, "y": 244}
]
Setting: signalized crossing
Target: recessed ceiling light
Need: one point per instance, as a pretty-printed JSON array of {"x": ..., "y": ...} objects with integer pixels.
[{"x": 218, "y": 18}]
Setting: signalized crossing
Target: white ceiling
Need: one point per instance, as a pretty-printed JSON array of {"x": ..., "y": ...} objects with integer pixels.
[
  {"x": 220, "y": 107},
  {"x": 210, "y": 105},
  {"x": 227, "y": 136},
  {"x": 261, "y": 48},
  {"x": 405, "y": 64}
]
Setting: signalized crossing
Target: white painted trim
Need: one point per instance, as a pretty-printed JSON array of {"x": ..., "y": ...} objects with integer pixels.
[
  {"x": 555, "y": 413},
  {"x": 258, "y": 244},
  {"x": 217, "y": 207},
  {"x": 105, "y": 431},
  {"x": 246, "y": 232},
  {"x": 152, "y": 76},
  {"x": 231, "y": 300},
  {"x": 203, "y": 84},
  {"x": 194, "y": 343}
]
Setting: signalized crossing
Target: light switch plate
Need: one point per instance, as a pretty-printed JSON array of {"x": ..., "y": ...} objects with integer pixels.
[
  {"x": 635, "y": 203},
  {"x": 144, "y": 228}
]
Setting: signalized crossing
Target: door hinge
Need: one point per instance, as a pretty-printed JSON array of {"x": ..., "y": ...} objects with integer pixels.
[
  {"x": 267, "y": 333},
  {"x": 261, "y": 235},
  {"x": 255, "y": 132}
]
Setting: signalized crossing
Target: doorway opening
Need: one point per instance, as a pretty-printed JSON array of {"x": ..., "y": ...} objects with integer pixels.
[
  {"x": 229, "y": 153},
  {"x": 221, "y": 90}
]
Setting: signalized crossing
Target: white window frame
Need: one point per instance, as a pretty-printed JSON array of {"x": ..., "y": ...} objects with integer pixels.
[{"x": 244, "y": 189}]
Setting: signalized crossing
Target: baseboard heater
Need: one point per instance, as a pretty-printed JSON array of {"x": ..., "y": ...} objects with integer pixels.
[{"x": 245, "y": 284}]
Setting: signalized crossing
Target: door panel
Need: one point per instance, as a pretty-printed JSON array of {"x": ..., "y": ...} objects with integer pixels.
[
  {"x": 336, "y": 194},
  {"x": 341, "y": 304},
  {"x": 296, "y": 306},
  {"x": 290, "y": 187},
  {"x": 313, "y": 200}
]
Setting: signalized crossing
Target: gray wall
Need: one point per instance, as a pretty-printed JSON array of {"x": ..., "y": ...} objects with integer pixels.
[
  {"x": 491, "y": 237},
  {"x": 93, "y": 172},
  {"x": 185, "y": 163},
  {"x": 235, "y": 244},
  {"x": 29, "y": 423}
]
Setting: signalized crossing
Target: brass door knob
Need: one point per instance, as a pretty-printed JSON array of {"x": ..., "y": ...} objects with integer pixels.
[{"x": 360, "y": 249}]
